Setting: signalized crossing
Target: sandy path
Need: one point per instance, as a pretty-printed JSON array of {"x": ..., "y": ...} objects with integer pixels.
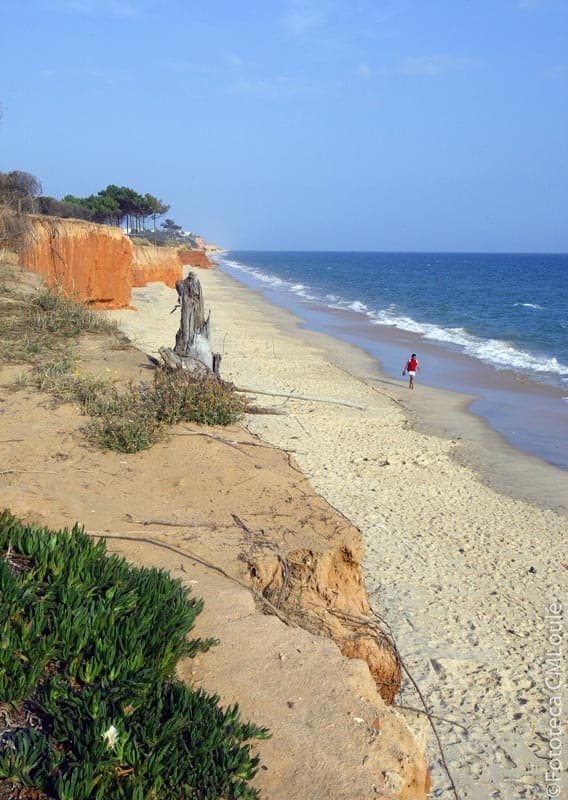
[{"x": 463, "y": 575}]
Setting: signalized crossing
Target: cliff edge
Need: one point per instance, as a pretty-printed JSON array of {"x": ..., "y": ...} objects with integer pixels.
[{"x": 99, "y": 264}]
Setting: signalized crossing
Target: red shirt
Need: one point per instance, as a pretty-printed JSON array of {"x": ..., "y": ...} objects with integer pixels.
[{"x": 412, "y": 364}]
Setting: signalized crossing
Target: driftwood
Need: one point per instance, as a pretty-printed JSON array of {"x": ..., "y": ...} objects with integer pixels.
[
  {"x": 192, "y": 350},
  {"x": 263, "y": 410}
]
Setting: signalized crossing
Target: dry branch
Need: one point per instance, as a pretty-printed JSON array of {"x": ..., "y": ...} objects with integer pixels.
[
  {"x": 308, "y": 398},
  {"x": 227, "y": 441},
  {"x": 263, "y": 410}
]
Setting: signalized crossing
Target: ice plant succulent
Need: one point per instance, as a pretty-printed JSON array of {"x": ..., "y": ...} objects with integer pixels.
[{"x": 88, "y": 639}]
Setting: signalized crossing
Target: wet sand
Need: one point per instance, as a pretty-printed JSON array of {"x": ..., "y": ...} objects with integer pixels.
[{"x": 462, "y": 572}]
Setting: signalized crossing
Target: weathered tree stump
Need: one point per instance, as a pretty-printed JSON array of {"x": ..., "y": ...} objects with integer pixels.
[{"x": 192, "y": 349}]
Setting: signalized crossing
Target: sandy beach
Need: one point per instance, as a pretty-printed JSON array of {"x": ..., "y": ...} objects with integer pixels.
[{"x": 462, "y": 572}]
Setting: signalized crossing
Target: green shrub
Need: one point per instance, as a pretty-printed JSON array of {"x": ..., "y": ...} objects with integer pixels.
[
  {"x": 88, "y": 653},
  {"x": 128, "y": 422},
  {"x": 137, "y": 420},
  {"x": 180, "y": 396}
]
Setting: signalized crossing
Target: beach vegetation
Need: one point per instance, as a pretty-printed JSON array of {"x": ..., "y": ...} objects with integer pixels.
[
  {"x": 53, "y": 312},
  {"x": 19, "y": 191},
  {"x": 126, "y": 422},
  {"x": 44, "y": 323},
  {"x": 121, "y": 205},
  {"x": 91, "y": 706},
  {"x": 22, "y": 379},
  {"x": 136, "y": 418},
  {"x": 38, "y": 330},
  {"x": 180, "y": 396}
]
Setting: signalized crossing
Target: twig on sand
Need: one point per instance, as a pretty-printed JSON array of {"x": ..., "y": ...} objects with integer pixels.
[
  {"x": 433, "y": 716},
  {"x": 232, "y": 444},
  {"x": 301, "y": 397},
  {"x": 387, "y": 394},
  {"x": 241, "y": 524},
  {"x": 374, "y": 388},
  {"x": 169, "y": 524},
  {"x": 228, "y": 441},
  {"x": 303, "y": 427},
  {"x": 28, "y": 471},
  {"x": 265, "y": 410},
  {"x": 434, "y": 729},
  {"x": 204, "y": 563},
  {"x": 285, "y": 576}
]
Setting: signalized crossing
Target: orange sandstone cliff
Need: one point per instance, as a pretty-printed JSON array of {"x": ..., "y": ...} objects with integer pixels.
[
  {"x": 98, "y": 264},
  {"x": 194, "y": 258},
  {"x": 90, "y": 262},
  {"x": 165, "y": 264}
]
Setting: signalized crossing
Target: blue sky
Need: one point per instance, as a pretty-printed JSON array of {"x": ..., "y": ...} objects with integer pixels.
[{"x": 301, "y": 124}]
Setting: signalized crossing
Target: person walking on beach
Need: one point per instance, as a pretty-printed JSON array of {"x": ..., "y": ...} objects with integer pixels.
[{"x": 412, "y": 367}]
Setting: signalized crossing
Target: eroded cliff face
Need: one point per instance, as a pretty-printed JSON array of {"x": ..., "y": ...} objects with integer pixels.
[
  {"x": 165, "y": 264},
  {"x": 321, "y": 590},
  {"x": 98, "y": 264},
  {"x": 151, "y": 264},
  {"x": 89, "y": 262},
  {"x": 194, "y": 258}
]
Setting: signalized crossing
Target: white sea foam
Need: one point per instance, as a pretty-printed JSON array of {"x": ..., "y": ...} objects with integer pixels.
[
  {"x": 301, "y": 291},
  {"x": 499, "y": 354},
  {"x": 263, "y": 277},
  {"x": 358, "y": 306},
  {"x": 529, "y": 305}
]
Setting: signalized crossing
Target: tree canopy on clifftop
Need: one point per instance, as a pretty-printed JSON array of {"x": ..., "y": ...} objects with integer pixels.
[
  {"x": 117, "y": 205},
  {"x": 21, "y": 194}
]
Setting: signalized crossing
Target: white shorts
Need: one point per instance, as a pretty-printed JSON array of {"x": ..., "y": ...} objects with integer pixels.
[{"x": 412, "y": 373}]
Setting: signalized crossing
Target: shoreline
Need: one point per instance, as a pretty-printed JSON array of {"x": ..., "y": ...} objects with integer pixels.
[
  {"x": 446, "y": 413},
  {"x": 506, "y": 400}
]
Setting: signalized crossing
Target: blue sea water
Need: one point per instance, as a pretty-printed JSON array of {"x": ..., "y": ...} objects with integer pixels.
[{"x": 504, "y": 311}]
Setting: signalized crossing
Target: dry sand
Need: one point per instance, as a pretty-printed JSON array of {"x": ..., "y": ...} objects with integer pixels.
[{"x": 462, "y": 573}]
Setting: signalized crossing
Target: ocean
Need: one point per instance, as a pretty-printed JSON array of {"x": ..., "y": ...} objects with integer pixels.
[{"x": 491, "y": 325}]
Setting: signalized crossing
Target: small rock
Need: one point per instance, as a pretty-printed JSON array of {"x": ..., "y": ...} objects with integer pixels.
[{"x": 394, "y": 781}]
